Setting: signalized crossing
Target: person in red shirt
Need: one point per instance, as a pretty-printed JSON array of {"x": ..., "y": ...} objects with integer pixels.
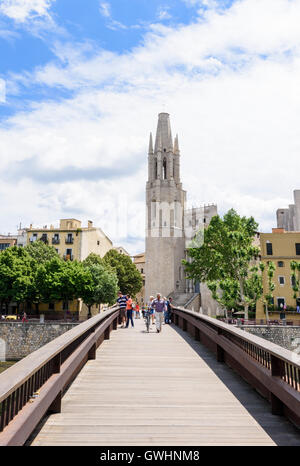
[
  {"x": 129, "y": 311},
  {"x": 137, "y": 311}
]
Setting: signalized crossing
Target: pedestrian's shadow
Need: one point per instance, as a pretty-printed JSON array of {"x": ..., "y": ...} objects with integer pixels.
[{"x": 279, "y": 428}]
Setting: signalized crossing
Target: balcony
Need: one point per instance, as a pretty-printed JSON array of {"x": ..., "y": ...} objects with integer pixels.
[
  {"x": 69, "y": 240},
  {"x": 55, "y": 241},
  {"x": 68, "y": 257}
]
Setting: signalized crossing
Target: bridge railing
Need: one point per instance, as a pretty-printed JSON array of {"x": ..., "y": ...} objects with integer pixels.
[
  {"x": 34, "y": 386},
  {"x": 272, "y": 370}
]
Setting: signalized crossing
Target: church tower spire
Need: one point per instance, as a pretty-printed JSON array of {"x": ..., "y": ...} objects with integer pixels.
[
  {"x": 163, "y": 139},
  {"x": 150, "y": 151},
  {"x": 176, "y": 145}
]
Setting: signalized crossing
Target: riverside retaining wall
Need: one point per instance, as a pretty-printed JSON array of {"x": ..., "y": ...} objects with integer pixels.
[
  {"x": 18, "y": 339},
  {"x": 285, "y": 336}
]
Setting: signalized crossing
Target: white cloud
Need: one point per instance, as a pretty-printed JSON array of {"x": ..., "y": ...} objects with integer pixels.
[
  {"x": 230, "y": 83},
  {"x": 163, "y": 13},
  {"x": 105, "y": 9},
  {"x": 2, "y": 91},
  {"x": 22, "y": 10}
]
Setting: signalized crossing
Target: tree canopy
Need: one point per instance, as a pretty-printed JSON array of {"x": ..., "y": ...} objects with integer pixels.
[
  {"x": 36, "y": 274},
  {"x": 104, "y": 285},
  {"x": 226, "y": 261},
  {"x": 129, "y": 278}
]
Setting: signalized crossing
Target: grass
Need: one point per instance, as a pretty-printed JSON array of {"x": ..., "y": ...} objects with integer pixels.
[{"x": 5, "y": 365}]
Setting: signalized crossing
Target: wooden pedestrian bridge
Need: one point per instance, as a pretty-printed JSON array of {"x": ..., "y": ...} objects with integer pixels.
[{"x": 198, "y": 382}]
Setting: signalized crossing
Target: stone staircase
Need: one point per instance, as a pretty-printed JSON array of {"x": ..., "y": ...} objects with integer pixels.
[{"x": 182, "y": 299}]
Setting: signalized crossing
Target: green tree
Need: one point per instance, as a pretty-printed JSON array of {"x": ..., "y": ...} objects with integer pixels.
[
  {"x": 129, "y": 278},
  {"x": 59, "y": 280},
  {"x": 268, "y": 298},
  {"x": 295, "y": 268},
  {"x": 41, "y": 252},
  {"x": 15, "y": 276},
  {"x": 226, "y": 260},
  {"x": 105, "y": 285},
  {"x": 93, "y": 259}
]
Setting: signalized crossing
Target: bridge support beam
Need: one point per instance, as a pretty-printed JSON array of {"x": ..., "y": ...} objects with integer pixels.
[
  {"x": 56, "y": 364},
  {"x": 277, "y": 370},
  {"x": 107, "y": 333},
  {"x": 92, "y": 352},
  {"x": 55, "y": 407},
  {"x": 220, "y": 354}
]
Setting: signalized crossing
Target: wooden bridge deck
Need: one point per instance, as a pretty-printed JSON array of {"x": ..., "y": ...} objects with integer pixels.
[{"x": 161, "y": 389}]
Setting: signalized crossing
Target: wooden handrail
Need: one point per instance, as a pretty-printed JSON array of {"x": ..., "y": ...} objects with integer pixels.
[
  {"x": 274, "y": 371},
  {"x": 16, "y": 375},
  {"x": 286, "y": 355},
  {"x": 46, "y": 372}
]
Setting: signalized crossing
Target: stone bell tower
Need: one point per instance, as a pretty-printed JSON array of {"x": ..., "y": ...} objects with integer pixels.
[{"x": 165, "y": 199}]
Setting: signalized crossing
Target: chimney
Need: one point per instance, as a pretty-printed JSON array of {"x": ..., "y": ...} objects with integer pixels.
[
  {"x": 90, "y": 224},
  {"x": 278, "y": 230}
]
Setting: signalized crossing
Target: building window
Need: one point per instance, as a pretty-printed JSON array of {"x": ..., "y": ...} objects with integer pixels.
[
  {"x": 70, "y": 239},
  {"x": 4, "y": 246},
  {"x": 297, "y": 249},
  {"x": 164, "y": 169},
  {"x": 68, "y": 256},
  {"x": 280, "y": 264},
  {"x": 44, "y": 238},
  {"x": 269, "y": 249},
  {"x": 155, "y": 169},
  {"x": 281, "y": 280},
  {"x": 293, "y": 280},
  {"x": 55, "y": 239},
  {"x": 142, "y": 270},
  {"x": 280, "y": 301},
  {"x": 51, "y": 306}
]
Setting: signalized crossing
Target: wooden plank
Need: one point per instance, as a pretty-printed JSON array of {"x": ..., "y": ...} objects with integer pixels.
[{"x": 161, "y": 389}]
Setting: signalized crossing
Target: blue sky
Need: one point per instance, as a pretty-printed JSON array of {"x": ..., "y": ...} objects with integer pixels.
[{"x": 82, "y": 82}]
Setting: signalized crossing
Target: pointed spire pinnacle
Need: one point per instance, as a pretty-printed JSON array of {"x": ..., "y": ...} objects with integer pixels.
[
  {"x": 176, "y": 145},
  {"x": 150, "y": 145},
  {"x": 163, "y": 133}
]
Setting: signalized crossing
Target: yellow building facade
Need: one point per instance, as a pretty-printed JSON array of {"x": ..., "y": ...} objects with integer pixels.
[
  {"x": 72, "y": 242},
  {"x": 281, "y": 247}
]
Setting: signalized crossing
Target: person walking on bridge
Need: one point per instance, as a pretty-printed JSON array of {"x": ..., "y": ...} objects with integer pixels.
[
  {"x": 151, "y": 308},
  {"x": 129, "y": 311},
  {"x": 122, "y": 300},
  {"x": 159, "y": 306}
]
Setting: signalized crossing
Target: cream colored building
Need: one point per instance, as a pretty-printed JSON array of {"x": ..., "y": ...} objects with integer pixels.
[
  {"x": 121, "y": 250},
  {"x": 280, "y": 247},
  {"x": 72, "y": 242}
]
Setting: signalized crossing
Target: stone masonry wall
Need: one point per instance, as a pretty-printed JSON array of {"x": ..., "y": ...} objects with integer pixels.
[
  {"x": 285, "y": 336},
  {"x": 18, "y": 339}
]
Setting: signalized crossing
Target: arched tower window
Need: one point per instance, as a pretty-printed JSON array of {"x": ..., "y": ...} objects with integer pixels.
[
  {"x": 165, "y": 169},
  {"x": 155, "y": 169}
]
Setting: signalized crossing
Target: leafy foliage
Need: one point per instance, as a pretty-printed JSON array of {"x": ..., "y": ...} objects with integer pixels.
[
  {"x": 129, "y": 278},
  {"x": 36, "y": 274},
  {"x": 104, "y": 285},
  {"x": 226, "y": 261}
]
